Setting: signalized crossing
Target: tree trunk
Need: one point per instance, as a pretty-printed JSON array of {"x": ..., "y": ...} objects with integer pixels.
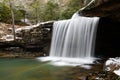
[
  {"x": 36, "y": 15},
  {"x": 13, "y": 21}
]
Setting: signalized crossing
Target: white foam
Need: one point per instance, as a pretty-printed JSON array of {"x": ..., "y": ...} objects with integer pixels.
[{"x": 58, "y": 61}]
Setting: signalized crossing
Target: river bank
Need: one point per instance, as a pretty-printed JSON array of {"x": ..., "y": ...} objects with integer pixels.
[{"x": 10, "y": 54}]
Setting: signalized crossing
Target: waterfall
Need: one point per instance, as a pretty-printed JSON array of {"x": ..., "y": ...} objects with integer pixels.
[{"x": 73, "y": 40}]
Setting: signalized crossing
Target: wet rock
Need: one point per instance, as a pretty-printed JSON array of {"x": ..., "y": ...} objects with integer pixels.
[
  {"x": 102, "y": 75},
  {"x": 80, "y": 73}
]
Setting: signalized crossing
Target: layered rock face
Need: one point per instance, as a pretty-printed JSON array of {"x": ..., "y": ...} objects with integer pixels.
[
  {"x": 33, "y": 38},
  {"x": 36, "y": 37},
  {"x": 103, "y": 8}
]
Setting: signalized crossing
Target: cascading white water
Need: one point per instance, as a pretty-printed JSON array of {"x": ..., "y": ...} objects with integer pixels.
[
  {"x": 73, "y": 41},
  {"x": 74, "y": 38}
]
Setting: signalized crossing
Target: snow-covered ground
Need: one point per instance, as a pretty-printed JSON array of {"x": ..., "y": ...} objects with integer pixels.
[
  {"x": 9, "y": 38},
  {"x": 27, "y": 21},
  {"x": 26, "y": 28},
  {"x": 18, "y": 30},
  {"x": 6, "y": 31},
  {"x": 113, "y": 64}
]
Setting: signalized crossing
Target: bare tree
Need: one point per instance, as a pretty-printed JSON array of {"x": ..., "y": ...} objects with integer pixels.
[
  {"x": 36, "y": 4},
  {"x": 13, "y": 20},
  {"x": 35, "y": 7}
]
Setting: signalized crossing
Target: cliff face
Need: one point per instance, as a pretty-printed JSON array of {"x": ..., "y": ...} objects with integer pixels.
[
  {"x": 103, "y": 8},
  {"x": 36, "y": 37},
  {"x": 108, "y": 39}
]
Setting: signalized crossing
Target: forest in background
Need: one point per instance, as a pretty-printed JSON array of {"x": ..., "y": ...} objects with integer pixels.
[{"x": 38, "y": 10}]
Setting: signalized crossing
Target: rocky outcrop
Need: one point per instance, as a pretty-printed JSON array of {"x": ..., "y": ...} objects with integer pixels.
[
  {"x": 102, "y": 8},
  {"x": 111, "y": 71},
  {"x": 102, "y": 75},
  {"x": 107, "y": 40},
  {"x": 34, "y": 38}
]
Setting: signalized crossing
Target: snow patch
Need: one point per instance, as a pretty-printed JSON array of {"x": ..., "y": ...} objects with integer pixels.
[
  {"x": 9, "y": 38},
  {"x": 26, "y": 21},
  {"x": 26, "y": 28},
  {"x": 116, "y": 63},
  {"x": 117, "y": 72},
  {"x": 113, "y": 61}
]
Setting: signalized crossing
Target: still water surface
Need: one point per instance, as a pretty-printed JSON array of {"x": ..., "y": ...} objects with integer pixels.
[{"x": 30, "y": 69}]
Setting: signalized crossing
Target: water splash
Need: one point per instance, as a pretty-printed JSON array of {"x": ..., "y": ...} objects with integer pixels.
[{"x": 73, "y": 41}]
